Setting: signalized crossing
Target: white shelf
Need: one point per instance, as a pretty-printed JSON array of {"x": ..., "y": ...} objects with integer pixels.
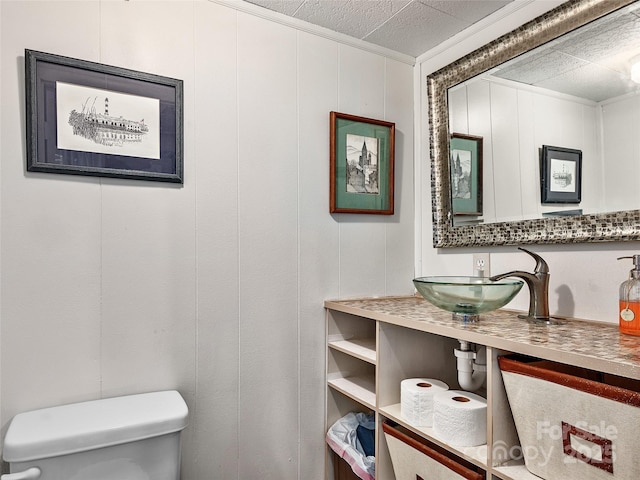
[
  {"x": 514, "y": 472},
  {"x": 362, "y": 348},
  {"x": 360, "y": 389},
  {"x": 476, "y": 455}
]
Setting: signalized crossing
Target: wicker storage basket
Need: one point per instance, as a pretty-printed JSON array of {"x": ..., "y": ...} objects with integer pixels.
[
  {"x": 413, "y": 458},
  {"x": 573, "y": 423}
]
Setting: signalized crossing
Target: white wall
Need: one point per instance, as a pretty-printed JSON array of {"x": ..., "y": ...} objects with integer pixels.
[
  {"x": 215, "y": 287},
  {"x": 584, "y": 277},
  {"x": 621, "y": 128}
]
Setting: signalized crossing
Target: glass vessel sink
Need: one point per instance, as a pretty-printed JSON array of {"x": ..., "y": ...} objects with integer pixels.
[{"x": 467, "y": 297}]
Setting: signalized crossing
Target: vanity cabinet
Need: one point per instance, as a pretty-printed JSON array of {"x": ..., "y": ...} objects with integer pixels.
[{"x": 374, "y": 344}]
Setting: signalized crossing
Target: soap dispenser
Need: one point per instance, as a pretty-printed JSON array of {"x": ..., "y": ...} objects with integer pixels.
[{"x": 630, "y": 300}]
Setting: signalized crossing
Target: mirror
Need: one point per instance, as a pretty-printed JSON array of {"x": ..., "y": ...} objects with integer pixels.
[{"x": 454, "y": 95}]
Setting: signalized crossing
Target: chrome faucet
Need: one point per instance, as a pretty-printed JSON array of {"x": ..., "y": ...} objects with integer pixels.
[{"x": 538, "y": 283}]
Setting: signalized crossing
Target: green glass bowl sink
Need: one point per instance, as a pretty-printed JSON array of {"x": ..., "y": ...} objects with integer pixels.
[{"x": 467, "y": 297}]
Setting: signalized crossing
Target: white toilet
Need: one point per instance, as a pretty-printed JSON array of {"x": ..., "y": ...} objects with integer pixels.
[{"x": 135, "y": 437}]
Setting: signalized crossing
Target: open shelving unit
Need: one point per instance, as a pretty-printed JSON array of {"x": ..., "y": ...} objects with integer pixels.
[{"x": 374, "y": 344}]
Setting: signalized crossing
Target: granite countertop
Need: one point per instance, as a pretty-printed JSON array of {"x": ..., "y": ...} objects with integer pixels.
[{"x": 590, "y": 344}]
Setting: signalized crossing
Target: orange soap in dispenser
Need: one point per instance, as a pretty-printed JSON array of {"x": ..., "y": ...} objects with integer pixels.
[{"x": 630, "y": 300}]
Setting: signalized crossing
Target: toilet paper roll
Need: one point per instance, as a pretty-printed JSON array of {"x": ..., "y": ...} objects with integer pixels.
[
  {"x": 416, "y": 400},
  {"x": 460, "y": 418}
]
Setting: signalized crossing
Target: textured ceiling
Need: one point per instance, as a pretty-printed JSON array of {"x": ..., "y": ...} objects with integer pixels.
[
  {"x": 407, "y": 26},
  {"x": 592, "y": 64}
]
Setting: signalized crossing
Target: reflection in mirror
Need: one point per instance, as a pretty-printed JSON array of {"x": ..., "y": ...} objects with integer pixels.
[{"x": 573, "y": 92}]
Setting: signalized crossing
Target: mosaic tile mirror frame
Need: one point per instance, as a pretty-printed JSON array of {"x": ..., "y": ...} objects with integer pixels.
[{"x": 597, "y": 227}]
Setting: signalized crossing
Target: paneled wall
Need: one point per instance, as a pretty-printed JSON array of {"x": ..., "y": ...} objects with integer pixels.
[
  {"x": 215, "y": 287},
  {"x": 621, "y": 125}
]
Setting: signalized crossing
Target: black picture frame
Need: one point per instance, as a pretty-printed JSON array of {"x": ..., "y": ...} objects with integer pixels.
[
  {"x": 561, "y": 175},
  {"x": 86, "y": 118}
]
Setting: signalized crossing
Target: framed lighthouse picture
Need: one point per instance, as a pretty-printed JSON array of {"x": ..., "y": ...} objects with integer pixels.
[
  {"x": 361, "y": 165},
  {"x": 86, "y": 118}
]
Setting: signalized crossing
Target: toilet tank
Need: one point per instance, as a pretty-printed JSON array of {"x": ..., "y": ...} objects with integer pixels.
[{"x": 135, "y": 437}]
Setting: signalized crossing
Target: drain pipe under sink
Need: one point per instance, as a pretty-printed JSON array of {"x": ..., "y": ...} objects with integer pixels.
[{"x": 472, "y": 366}]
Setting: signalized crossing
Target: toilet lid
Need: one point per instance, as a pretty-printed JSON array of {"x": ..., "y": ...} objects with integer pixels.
[{"x": 95, "y": 424}]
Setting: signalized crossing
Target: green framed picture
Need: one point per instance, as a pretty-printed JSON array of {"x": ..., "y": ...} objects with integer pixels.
[
  {"x": 465, "y": 153},
  {"x": 361, "y": 164}
]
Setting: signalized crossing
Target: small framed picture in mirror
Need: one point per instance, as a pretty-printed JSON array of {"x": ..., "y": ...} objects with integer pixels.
[
  {"x": 561, "y": 175},
  {"x": 466, "y": 174}
]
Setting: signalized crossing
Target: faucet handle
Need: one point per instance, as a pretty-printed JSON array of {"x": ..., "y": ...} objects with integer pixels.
[{"x": 541, "y": 265}]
